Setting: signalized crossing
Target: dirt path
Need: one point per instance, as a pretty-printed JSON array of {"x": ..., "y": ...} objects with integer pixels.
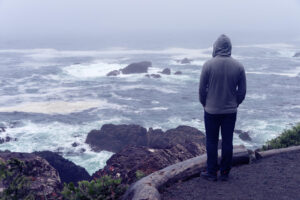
[{"x": 274, "y": 178}]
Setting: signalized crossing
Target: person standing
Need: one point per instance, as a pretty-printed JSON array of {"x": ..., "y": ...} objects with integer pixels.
[{"x": 222, "y": 89}]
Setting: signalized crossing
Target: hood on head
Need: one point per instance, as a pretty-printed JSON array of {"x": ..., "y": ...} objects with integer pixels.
[{"x": 222, "y": 46}]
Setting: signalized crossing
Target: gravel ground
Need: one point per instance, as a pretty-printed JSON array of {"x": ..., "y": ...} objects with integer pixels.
[{"x": 274, "y": 178}]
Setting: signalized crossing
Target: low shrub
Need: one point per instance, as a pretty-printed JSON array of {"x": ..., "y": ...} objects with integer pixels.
[
  {"x": 17, "y": 185},
  {"x": 290, "y": 137},
  {"x": 104, "y": 188}
]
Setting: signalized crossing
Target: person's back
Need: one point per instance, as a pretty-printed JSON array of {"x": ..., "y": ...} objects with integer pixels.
[
  {"x": 220, "y": 78},
  {"x": 222, "y": 88}
]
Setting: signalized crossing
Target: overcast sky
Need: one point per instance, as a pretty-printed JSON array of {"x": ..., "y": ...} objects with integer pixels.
[{"x": 92, "y": 18}]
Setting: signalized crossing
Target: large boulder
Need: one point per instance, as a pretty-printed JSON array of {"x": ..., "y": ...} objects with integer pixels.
[
  {"x": 67, "y": 170},
  {"x": 243, "y": 135},
  {"x": 26, "y": 174},
  {"x": 139, "y": 67},
  {"x": 185, "y": 61},
  {"x": 115, "y": 137},
  {"x": 178, "y": 73},
  {"x": 166, "y": 71},
  {"x": 181, "y": 135},
  {"x": 297, "y": 54},
  {"x": 143, "y": 152},
  {"x": 133, "y": 161}
]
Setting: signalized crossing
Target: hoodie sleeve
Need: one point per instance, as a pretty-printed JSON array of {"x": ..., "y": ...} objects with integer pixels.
[
  {"x": 203, "y": 84},
  {"x": 242, "y": 87}
]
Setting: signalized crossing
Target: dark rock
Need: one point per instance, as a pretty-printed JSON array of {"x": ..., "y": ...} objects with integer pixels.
[
  {"x": 75, "y": 144},
  {"x": 7, "y": 139},
  {"x": 147, "y": 75},
  {"x": 82, "y": 150},
  {"x": 155, "y": 75},
  {"x": 2, "y": 129},
  {"x": 68, "y": 171},
  {"x": 113, "y": 73},
  {"x": 243, "y": 135},
  {"x": 116, "y": 137},
  {"x": 297, "y": 54},
  {"x": 185, "y": 61},
  {"x": 140, "y": 67},
  {"x": 166, "y": 71},
  {"x": 131, "y": 159},
  {"x": 150, "y": 151},
  {"x": 178, "y": 73},
  {"x": 44, "y": 181},
  {"x": 181, "y": 135}
]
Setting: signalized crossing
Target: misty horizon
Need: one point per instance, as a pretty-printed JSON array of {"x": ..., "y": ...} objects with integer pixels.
[{"x": 142, "y": 24}]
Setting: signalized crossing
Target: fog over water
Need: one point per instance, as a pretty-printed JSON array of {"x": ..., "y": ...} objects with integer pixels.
[{"x": 96, "y": 24}]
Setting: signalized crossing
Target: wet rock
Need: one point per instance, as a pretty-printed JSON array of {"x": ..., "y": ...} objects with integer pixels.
[
  {"x": 147, "y": 75},
  {"x": 7, "y": 139},
  {"x": 2, "y": 129},
  {"x": 178, "y": 73},
  {"x": 115, "y": 137},
  {"x": 297, "y": 54},
  {"x": 185, "y": 61},
  {"x": 243, "y": 135},
  {"x": 139, "y": 67},
  {"x": 155, "y": 76},
  {"x": 67, "y": 170},
  {"x": 146, "y": 151},
  {"x": 113, "y": 73},
  {"x": 144, "y": 160},
  {"x": 43, "y": 180},
  {"x": 166, "y": 71},
  {"x": 75, "y": 144}
]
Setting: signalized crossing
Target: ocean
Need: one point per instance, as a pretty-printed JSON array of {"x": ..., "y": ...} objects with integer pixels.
[{"x": 52, "y": 98}]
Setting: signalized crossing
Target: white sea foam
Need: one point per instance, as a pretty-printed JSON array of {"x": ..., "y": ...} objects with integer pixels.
[
  {"x": 59, "y": 107},
  {"x": 53, "y": 136},
  {"x": 289, "y": 73},
  {"x": 147, "y": 87},
  {"x": 257, "y": 96},
  {"x": 94, "y": 70}
]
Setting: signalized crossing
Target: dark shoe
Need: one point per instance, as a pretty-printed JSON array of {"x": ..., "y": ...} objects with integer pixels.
[
  {"x": 224, "y": 177},
  {"x": 208, "y": 176}
]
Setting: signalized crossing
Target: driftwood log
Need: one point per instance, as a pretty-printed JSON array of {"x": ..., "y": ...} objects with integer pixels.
[
  {"x": 148, "y": 187},
  {"x": 272, "y": 152}
]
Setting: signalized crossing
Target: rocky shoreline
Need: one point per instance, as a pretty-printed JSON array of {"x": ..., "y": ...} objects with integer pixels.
[{"x": 138, "y": 152}]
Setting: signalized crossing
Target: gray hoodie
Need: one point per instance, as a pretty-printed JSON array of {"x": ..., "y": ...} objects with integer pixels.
[{"x": 222, "y": 81}]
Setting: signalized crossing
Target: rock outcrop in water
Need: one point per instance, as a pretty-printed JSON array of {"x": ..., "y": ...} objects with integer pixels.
[
  {"x": 113, "y": 73},
  {"x": 185, "y": 61},
  {"x": 116, "y": 137},
  {"x": 28, "y": 174},
  {"x": 243, "y": 135},
  {"x": 178, "y": 73},
  {"x": 297, "y": 54},
  {"x": 166, "y": 71},
  {"x": 142, "y": 152},
  {"x": 139, "y": 67},
  {"x": 67, "y": 170}
]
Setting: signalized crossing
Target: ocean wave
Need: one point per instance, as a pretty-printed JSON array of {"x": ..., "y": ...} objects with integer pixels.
[
  {"x": 94, "y": 70},
  {"x": 289, "y": 73}
]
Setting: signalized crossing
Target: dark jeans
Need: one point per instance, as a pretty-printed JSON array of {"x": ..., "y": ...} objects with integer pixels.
[{"x": 213, "y": 122}]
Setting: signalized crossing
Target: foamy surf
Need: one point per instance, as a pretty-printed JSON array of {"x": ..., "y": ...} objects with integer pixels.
[{"x": 59, "y": 107}]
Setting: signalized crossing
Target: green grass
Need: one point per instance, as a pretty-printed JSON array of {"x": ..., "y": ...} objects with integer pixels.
[{"x": 290, "y": 137}]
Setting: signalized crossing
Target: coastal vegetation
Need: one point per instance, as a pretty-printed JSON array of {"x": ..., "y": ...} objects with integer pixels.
[
  {"x": 289, "y": 137},
  {"x": 104, "y": 188}
]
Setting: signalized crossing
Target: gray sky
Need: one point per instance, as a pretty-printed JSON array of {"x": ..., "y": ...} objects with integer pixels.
[{"x": 92, "y": 18}]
